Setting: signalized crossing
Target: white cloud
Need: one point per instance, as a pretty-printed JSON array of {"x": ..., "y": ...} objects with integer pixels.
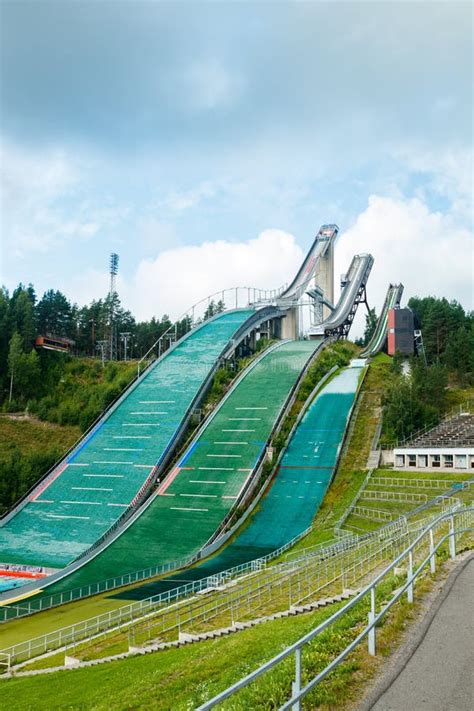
[
  {"x": 179, "y": 277},
  {"x": 446, "y": 172},
  {"x": 42, "y": 204},
  {"x": 427, "y": 251}
]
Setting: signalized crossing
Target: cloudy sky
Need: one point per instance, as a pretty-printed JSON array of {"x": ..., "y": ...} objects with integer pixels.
[{"x": 205, "y": 142}]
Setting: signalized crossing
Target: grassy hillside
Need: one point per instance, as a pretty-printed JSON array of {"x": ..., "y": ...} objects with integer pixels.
[
  {"x": 28, "y": 448},
  {"x": 78, "y": 391}
]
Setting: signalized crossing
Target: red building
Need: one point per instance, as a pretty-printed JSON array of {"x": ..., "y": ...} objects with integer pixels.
[{"x": 400, "y": 332}]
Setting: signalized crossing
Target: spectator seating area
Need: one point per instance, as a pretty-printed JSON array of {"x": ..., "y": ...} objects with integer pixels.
[
  {"x": 449, "y": 446},
  {"x": 457, "y": 431}
]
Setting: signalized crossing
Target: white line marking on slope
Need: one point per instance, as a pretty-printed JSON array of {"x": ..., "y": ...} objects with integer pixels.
[
  {"x": 238, "y": 430},
  {"x": 251, "y": 408},
  {"x": 141, "y": 424},
  {"x": 131, "y": 437},
  {"x": 156, "y": 402},
  {"x": 83, "y": 503},
  {"x": 89, "y": 488},
  {"x": 83, "y": 518},
  {"x": 105, "y": 476},
  {"x": 182, "y": 508}
]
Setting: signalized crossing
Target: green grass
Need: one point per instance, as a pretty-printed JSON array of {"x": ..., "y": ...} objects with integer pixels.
[
  {"x": 183, "y": 678},
  {"x": 459, "y": 396},
  {"x": 175, "y": 679},
  {"x": 32, "y": 436}
]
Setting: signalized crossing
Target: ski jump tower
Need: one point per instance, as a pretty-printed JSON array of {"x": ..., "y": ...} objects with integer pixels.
[
  {"x": 314, "y": 280},
  {"x": 324, "y": 274}
]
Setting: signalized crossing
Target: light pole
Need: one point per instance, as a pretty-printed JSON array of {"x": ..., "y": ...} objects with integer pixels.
[
  {"x": 124, "y": 337},
  {"x": 101, "y": 345}
]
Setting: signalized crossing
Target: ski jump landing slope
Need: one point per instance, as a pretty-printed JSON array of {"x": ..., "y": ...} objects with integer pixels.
[
  {"x": 72, "y": 508},
  {"x": 298, "y": 489},
  {"x": 193, "y": 500}
]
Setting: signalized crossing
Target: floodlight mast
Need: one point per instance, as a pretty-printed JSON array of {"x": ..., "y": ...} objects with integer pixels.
[{"x": 114, "y": 260}]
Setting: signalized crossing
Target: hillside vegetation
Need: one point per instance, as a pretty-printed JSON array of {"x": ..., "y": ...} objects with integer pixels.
[{"x": 74, "y": 394}]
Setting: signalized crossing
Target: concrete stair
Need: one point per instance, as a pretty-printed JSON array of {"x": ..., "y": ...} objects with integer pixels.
[{"x": 187, "y": 638}]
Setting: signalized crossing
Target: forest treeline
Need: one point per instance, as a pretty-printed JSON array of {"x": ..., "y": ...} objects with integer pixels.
[
  {"x": 63, "y": 389},
  {"x": 418, "y": 397},
  {"x": 28, "y": 374}
]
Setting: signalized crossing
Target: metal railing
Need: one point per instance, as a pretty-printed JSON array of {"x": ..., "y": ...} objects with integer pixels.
[
  {"x": 400, "y": 482},
  {"x": 340, "y": 523},
  {"x": 373, "y": 514},
  {"x": 425, "y": 539},
  {"x": 407, "y": 497}
]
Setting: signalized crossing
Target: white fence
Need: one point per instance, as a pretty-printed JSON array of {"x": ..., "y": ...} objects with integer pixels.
[{"x": 407, "y": 497}]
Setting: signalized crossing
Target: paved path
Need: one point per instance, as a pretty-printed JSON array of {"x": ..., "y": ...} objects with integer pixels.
[{"x": 440, "y": 674}]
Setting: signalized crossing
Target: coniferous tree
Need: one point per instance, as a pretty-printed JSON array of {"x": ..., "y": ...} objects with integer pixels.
[
  {"x": 15, "y": 353},
  {"x": 54, "y": 315},
  {"x": 370, "y": 326}
]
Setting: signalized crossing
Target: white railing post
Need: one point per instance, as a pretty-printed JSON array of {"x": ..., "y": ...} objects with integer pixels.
[
  {"x": 410, "y": 577},
  {"x": 432, "y": 553},
  {"x": 371, "y": 635},
  {"x": 297, "y": 682},
  {"x": 452, "y": 538}
]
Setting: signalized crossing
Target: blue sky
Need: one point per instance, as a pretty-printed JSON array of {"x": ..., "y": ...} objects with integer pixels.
[{"x": 158, "y": 129}]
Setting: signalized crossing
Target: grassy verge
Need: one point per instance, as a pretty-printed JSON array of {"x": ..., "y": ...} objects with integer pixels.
[{"x": 32, "y": 436}]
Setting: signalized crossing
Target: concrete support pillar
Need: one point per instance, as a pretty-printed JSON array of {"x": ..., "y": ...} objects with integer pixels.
[
  {"x": 324, "y": 277},
  {"x": 289, "y": 326}
]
